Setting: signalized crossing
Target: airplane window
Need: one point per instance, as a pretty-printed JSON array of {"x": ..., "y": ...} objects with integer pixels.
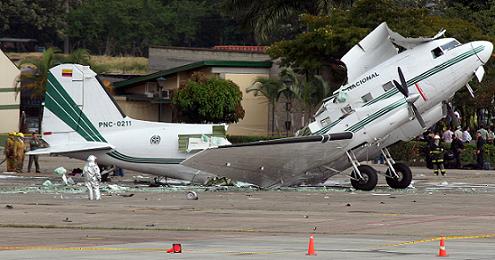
[
  {"x": 325, "y": 121},
  {"x": 388, "y": 85},
  {"x": 450, "y": 45},
  {"x": 437, "y": 52},
  {"x": 367, "y": 97},
  {"x": 347, "y": 109}
]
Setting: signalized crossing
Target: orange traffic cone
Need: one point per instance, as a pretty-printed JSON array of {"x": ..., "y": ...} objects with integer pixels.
[
  {"x": 311, "y": 247},
  {"x": 442, "y": 251}
]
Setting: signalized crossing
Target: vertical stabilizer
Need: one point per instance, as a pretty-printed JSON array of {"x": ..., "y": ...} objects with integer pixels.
[{"x": 75, "y": 103}]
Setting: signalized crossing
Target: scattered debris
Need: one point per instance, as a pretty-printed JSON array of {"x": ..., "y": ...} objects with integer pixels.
[
  {"x": 9, "y": 207},
  {"x": 60, "y": 171},
  {"x": 219, "y": 181},
  {"x": 381, "y": 194},
  {"x": 191, "y": 195},
  {"x": 67, "y": 220},
  {"x": 47, "y": 184},
  {"x": 348, "y": 205},
  {"x": 150, "y": 225},
  {"x": 126, "y": 195}
]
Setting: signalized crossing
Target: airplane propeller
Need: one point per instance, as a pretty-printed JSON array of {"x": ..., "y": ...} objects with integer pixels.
[{"x": 402, "y": 87}]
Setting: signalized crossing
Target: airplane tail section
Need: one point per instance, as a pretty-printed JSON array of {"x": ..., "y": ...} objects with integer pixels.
[{"x": 75, "y": 102}]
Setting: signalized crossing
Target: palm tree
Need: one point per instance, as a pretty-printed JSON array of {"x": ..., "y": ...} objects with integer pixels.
[
  {"x": 269, "y": 88},
  {"x": 291, "y": 89},
  {"x": 36, "y": 75},
  {"x": 313, "y": 91}
]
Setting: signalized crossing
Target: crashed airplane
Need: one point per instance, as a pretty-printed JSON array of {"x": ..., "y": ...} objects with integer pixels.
[{"x": 391, "y": 96}]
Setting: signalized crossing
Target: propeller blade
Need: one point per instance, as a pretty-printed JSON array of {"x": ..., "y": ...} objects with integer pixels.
[
  {"x": 399, "y": 87},
  {"x": 403, "y": 82},
  {"x": 471, "y": 92},
  {"x": 418, "y": 116}
]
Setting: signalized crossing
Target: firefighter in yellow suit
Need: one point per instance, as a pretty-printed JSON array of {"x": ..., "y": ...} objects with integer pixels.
[
  {"x": 10, "y": 153},
  {"x": 20, "y": 148}
]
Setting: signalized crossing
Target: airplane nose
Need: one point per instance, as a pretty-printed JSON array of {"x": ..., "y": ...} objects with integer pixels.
[{"x": 486, "y": 53}]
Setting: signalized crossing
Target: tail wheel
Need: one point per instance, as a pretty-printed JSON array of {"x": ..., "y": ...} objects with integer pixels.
[
  {"x": 369, "y": 180},
  {"x": 404, "y": 176}
]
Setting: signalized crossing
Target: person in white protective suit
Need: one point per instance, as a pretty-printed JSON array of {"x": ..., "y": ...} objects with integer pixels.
[{"x": 93, "y": 177}]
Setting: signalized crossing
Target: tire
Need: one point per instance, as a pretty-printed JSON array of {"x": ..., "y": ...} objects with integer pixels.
[
  {"x": 370, "y": 178},
  {"x": 405, "y": 176}
]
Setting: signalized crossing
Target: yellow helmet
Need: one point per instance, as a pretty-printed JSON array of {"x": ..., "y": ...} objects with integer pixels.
[
  {"x": 12, "y": 134},
  {"x": 20, "y": 134}
]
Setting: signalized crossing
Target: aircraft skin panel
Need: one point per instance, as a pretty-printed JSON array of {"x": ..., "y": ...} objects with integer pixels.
[{"x": 268, "y": 165}]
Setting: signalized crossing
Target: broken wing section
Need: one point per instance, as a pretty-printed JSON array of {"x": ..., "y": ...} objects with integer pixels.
[
  {"x": 374, "y": 49},
  {"x": 274, "y": 163},
  {"x": 377, "y": 47}
]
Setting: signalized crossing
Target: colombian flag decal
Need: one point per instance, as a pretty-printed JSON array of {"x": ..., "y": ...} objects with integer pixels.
[{"x": 66, "y": 73}]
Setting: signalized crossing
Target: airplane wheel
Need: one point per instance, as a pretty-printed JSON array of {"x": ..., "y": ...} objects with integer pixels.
[
  {"x": 369, "y": 181},
  {"x": 405, "y": 176},
  {"x": 191, "y": 195}
]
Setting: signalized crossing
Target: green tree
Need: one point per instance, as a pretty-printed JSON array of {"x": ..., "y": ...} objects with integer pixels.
[
  {"x": 209, "y": 100},
  {"x": 267, "y": 17},
  {"x": 41, "y": 20}
]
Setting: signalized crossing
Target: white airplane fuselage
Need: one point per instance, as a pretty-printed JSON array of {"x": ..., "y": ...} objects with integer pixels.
[{"x": 380, "y": 117}]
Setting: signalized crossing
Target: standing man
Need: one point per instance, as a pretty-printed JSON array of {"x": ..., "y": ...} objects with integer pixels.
[
  {"x": 480, "y": 142},
  {"x": 34, "y": 144},
  {"x": 91, "y": 172},
  {"x": 456, "y": 147},
  {"x": 10, "y": 153},
  {"x": 19, "y": 151},
  {"x": 466, "y": 136},
  {"x": 436, "y": 152}
]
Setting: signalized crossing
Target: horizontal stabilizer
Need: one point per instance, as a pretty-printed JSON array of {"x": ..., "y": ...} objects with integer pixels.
[
  {"x": 280, "y": 162},
  {"x": 72, "y": 148}
]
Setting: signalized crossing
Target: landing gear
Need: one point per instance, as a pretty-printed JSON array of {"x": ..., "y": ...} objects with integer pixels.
[
  {"x": 363, "y": 177},
  {"x": 398, "y": 175},
  {"x": 402, "y": 178},
  {"x": 368, "y": 179}
]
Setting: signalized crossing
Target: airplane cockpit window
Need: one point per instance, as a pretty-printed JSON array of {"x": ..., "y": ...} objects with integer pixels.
[
  {"x": 437, "y": 52},
  {"x": 450, "y": 45}
]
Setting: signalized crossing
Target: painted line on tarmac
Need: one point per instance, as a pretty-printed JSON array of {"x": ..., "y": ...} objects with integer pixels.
[
  {"x": 420, "y": 241},
  {"x": 52, "y": 248}
]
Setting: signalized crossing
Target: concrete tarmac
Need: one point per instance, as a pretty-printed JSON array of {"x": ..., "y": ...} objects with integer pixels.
[{"x": 43, "y": 223}]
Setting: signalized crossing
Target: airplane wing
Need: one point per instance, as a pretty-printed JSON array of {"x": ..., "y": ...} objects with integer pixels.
[
  {"x": 377, "y": 47},
  {"x": 279, "y": 162},
  {"x": 71, "y": 148}
]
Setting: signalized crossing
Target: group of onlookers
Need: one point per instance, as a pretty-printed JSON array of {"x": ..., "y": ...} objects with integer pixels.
[{"x": 436, "y": 156}]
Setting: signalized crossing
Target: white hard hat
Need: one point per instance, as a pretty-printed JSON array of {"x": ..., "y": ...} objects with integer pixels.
[
  {"x": 91, "y": 158},
  {"x": 436, "y": 137}
]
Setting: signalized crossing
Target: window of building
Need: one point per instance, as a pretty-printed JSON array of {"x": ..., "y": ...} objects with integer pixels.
[
  {"x": 437, "y": 52},
  {"x": 387, "y": 86},
  {"x": 367, "y": 97}
]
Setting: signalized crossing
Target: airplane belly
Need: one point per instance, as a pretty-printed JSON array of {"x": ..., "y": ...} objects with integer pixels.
[{"x": 175, "y": 171}]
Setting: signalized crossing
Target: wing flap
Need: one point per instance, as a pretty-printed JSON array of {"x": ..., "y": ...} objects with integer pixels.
[
  {"x": 72, "y": 148},
  {"x": 280, "y": 162}
]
